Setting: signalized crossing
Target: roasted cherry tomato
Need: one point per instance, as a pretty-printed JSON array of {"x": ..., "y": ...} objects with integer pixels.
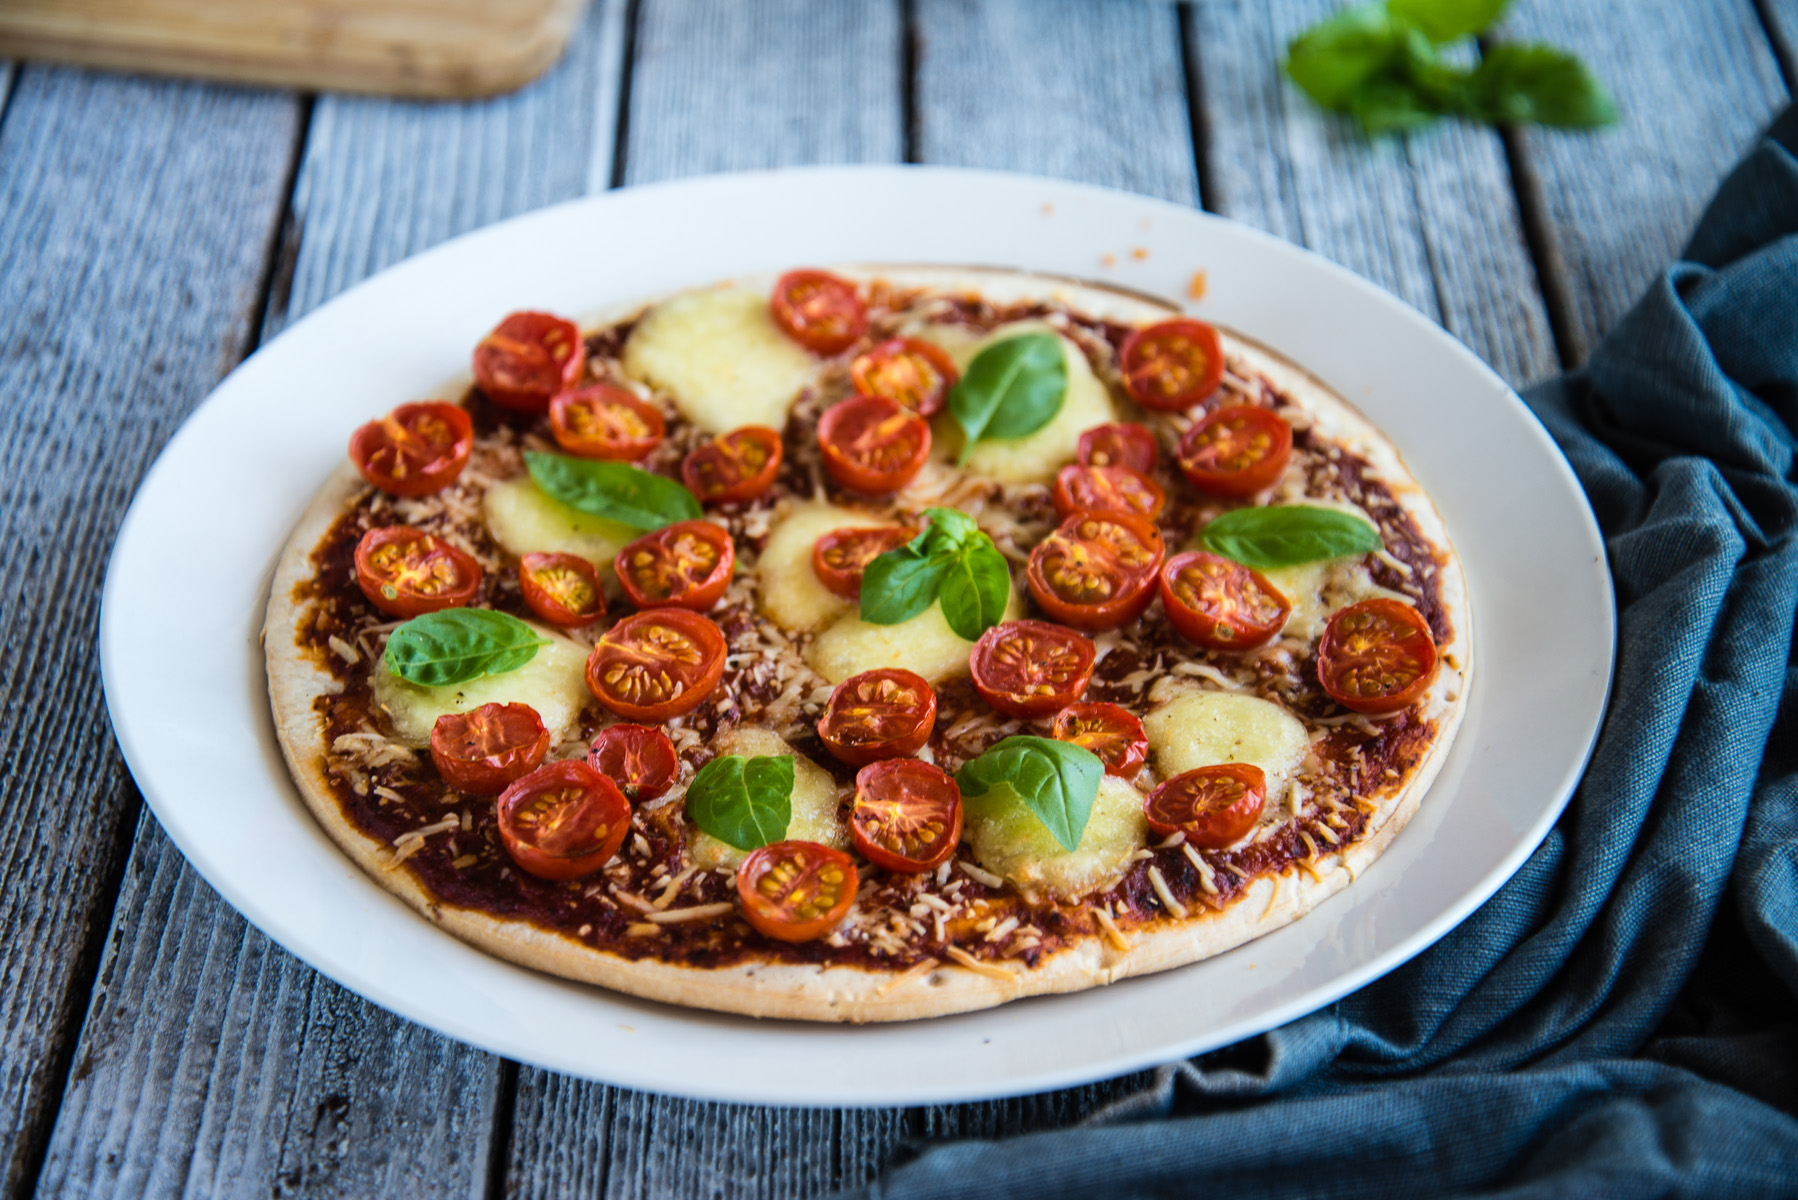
[
  {"x": 563, "y": 589},
  {"x": 841, "y": 557},
  {"x": 818, "y": 310},
  {"x": 1097, "y": 570},
  {"x": 1031, "y": 668},
  {"x": 878, "y": 714},
  {"x": 1376, "y": 656},
  {"x": 1107, "y": 489},
  {"x": 907, "y": 815},
  {"x": 1119, "y": 446},
  {"x": 1173, "y": 365},
  {"x": 1236, "y": 451},
  {"x": 529, "y": 358},
  {"x": 405, "y": 572},
  {"x": 1220, "y": 604},
  {"x": 638, "y": 758},
  {"x": 733, "y": 468},
  {"x": 603, "y": 420},
  {"x": 871, "y": 444},
  {"x": 1212, "y": 806},
  {"x": 483, "y": 750},
  {"x": 911, "y": 373},
  {"x": 687, "y": 565},
  {"x": 796, "y": 891},
  {"x": 1109, "y": 731},
  {"x": 414, "y": 450},
  {"x": 563, "y": 821},
  {"x": 657, "y": 664}
]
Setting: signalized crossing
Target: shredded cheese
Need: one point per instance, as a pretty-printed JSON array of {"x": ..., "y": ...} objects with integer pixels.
[
  {"x": 990, "y": 970},
  {"x": 918, "y": 971},
  {"x": 1113, "y": 934},
  {"x": 698, "y": 912},
  {"x": 1160, "y": 885}
]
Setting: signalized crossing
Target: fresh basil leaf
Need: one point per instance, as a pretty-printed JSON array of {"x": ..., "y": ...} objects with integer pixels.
[
  {"x": 1012, "y": 388},
  {"x": 459, "y": 644},
  {"x": 948, "y": 527},
  {"x": 1334, "y": 59},
  {"x": 1058, "y": 781},
  {"x": 1541, "y": 85},
  {"x": 975, "y": 589},
  {"x": 613, "y": 490},
  {"x": 899, "y": 585},
  {"x": 747, "y": 802},
  {"x": 1391, "y": 106},
  {"x": 1446, "y": 20},
  {"x": 1285, "y": 535}
]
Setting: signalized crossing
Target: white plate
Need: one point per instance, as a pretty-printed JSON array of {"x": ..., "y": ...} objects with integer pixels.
[{"x": 189, "y": 577}]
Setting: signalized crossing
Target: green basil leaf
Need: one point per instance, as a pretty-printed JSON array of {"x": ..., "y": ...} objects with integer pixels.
[
  {"x": 1334, "y": 59},
  {"x": 1058, "y": 781},
  {"x": 459, "y": 644},
  {"x": 1540, "y": 85},
  {"x": 1285, "y": 535},
  {"x": 1389, "y": 106},
  {"x": 747, "y": 802},
  {"x": 900, "y": 584},
  {"x": 975, "y": 589},
  {"x": 1012, "y": 388},
  {"x": 1447, "y": 20},
  {"x": 613, "y": 490},
  {"x": 948, "y": 528}
]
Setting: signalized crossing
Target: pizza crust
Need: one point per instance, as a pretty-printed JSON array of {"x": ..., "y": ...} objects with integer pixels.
[{"x": 852, "y": 994}]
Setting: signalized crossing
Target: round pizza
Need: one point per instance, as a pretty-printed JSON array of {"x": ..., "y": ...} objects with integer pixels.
[{"x": 868, "y": 644}]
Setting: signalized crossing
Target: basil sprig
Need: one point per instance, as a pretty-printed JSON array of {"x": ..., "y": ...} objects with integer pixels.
[
  {"x": 460, "y": 644},
  {"x": 952, "y": 561},
  {"x": 1058, "y": 781},
  {"x": 1284, "y": 535},
  {"x": 613, "y": 490},
  {"x": 747, "y": 802},
  {"x": 1012, "y": 388}
]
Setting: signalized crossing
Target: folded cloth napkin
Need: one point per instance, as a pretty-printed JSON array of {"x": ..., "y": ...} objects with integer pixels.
[{"x": 1621, "y": 1018}]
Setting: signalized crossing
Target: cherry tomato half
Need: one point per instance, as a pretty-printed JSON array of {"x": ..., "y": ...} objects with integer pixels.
[
  {"x": 638, "y": 758},
  {"x": 871, "y": 444},
  {"x": 603, "y": 420},
  {"x": 1376, "y": 656},
  {"x": 908, "y": 372},
  {"x": 818, "y": 310},
  {"x": 657, "y": 664},
  {"x": 907, "y": 815},
  {"x": 1220, "y": 604},
  {"x": 1031, "y": 668},
  {"x": 563, "y": 821},
  {"x": 840, "y": 558},
  {"x": 687, "y": 565},
  {"x": 527, "y": 359},
  {"x": 1212, "y": 806},
  {"x": 878, "y": 714},
  {"x": 406, "y": 572},
  {"x": 733, "y": 468},
  {"x": 1120, "y": 445},
  {"x": 1173, "y": 365},
  {"x": 563, "y": 589},
  {"x": 1109, "y": 731},
  {"x": 1236, "y": 451},
  {"x": 414, "y": 450},
  {"x": 483, "y": 750},
  {"x": 797, "y": 891},
  {"x": 1107, "y": 489},
  {"x": 1097, "y": 570}
]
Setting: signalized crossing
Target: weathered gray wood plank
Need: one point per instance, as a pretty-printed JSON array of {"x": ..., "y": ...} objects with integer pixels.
[
  {"x": 135, "y": 219},
  {"x": 252, "y": 1072},
  {"x": 735, "y": 87},
  {"x": 1696, "y": 83},
  {"x": 1076, "y": 89},
  {"x": 1430, "y": 217},
  {"x": 1781, "y": 20}
]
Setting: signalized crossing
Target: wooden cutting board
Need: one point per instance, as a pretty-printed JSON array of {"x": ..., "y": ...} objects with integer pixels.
[{"x": 437, "y": 48}]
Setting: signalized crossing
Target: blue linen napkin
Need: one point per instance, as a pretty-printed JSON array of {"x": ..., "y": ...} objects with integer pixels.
[{"x": 1622, "y": 1017}]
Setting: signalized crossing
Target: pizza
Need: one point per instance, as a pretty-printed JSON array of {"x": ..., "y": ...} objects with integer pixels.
[{"x": 868, "y": 644}]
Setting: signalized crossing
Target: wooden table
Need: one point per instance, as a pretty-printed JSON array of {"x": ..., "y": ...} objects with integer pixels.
[{"x": 152, "y": 234}]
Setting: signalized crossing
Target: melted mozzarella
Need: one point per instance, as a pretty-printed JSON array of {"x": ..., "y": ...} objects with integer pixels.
[
  {"x": 792, "y": 595},
  {"x": 1205, "y": 728},
  {"x": 924, "y": 645},
  {"x": 554, "y": 683},
  {"x": 719, "y": 354},
  {"x": 1317, "y": 591},
  {"x": 1009, "y": 840},
  {"x": 814, "y": 800},
  {"x": 524, "y": 519}
]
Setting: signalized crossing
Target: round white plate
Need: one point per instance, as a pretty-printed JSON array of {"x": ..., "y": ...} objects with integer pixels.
[{"x": 189, "y": 578}]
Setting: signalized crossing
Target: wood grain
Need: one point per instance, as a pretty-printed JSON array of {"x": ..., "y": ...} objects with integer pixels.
[
  {"x": 1780, "y": 17},
  {"x": 1696, "y": 84},
  {"x": 251, "y": 1071},
  {"x": 134, "y": 223}
]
